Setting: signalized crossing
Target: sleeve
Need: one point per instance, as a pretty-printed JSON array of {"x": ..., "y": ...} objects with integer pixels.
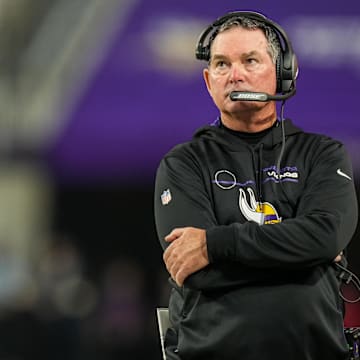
[
  {"x": 181, "y": 199},
  {"x": 239, "y": 254},
  {"x": 325, "y": 221}
]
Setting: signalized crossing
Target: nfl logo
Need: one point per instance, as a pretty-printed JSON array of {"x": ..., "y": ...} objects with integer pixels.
[{"x": 166, "y": 197}]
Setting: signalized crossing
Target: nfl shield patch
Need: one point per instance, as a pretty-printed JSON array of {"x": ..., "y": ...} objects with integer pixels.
[{"x": 166, "y": 197}]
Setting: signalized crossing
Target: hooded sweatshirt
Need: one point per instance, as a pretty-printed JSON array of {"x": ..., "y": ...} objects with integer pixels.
[{"x": 276, "y": 215}]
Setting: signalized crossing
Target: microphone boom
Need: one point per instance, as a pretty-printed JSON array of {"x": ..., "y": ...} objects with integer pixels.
[{"x": 259, "y": 96}]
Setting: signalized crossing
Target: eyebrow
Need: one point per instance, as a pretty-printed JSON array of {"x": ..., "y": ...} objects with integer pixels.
[
  {"x": 218, "y": 56},
  {"x": 243, "y": 56},
  {"x": 251, "y": 53}
]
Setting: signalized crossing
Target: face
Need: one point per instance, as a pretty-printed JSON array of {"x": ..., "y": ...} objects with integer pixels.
[{"x": 240, "y": 61}]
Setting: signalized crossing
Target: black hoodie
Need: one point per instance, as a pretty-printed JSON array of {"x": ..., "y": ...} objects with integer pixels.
[{"x": 270, "y": 290}]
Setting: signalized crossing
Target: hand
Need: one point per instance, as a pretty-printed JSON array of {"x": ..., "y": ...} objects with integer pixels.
[
  {"x": 186, "y": 254},
  {"x": 338, "y": 258}
]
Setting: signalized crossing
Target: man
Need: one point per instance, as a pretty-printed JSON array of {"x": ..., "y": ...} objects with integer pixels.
[{"x": 253, "y": 213}]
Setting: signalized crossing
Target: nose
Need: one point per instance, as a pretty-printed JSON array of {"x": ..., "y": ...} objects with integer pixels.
[{"x": 237, "y": 73}]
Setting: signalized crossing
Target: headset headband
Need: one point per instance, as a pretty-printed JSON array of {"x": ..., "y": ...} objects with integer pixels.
[{"x": 286, "y": 66}]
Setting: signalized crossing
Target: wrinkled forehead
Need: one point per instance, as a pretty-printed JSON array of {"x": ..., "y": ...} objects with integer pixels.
[{"x": 239, "y": 39}]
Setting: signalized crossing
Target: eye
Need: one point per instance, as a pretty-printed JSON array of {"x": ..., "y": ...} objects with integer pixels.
[
  {"x": 252, "y": 60},
  {"x": 220, "y": 64}
]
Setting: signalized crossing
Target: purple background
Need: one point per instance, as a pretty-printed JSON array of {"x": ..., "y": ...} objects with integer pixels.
[{"x": 135, "y": 110}]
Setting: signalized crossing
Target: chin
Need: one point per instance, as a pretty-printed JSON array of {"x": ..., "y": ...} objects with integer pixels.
[{"x": 245, "y": 105}]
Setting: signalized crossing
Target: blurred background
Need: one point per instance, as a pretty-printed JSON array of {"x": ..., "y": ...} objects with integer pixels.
[{"x": 92, "y": 94}]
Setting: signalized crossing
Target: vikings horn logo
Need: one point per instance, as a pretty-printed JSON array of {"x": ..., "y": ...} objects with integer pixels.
[{"x": 261, "y": 213}]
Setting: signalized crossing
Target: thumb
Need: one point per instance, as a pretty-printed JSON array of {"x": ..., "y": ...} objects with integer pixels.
[{"x": 174, "y": 234}]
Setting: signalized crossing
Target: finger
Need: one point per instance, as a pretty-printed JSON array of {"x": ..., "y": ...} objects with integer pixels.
[
  {"x": 169, "y": 252},
  {"x": 180, "y": 277},
  {"x": 339, "y": 257},
  {"x": 174, "y": 234},
  {"x": 174, "y": 269},
  {"x": 169, "y": 265},
  {"x": 171, "y": 262}
]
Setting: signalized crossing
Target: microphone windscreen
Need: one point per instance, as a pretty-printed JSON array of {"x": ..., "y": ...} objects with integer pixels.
[{"x": 248, "y": 96}]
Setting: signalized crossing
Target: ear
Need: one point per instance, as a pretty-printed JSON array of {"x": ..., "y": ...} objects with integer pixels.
[{"x": 206, "y": 78}]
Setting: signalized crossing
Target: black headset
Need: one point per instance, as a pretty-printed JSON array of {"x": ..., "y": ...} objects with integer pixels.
[{"x": 286, "y": 63}]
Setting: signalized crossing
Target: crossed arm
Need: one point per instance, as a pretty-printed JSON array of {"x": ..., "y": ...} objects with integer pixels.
[
  {"x": 323, "y": 225},
  {"x": 188, "y": 253}
]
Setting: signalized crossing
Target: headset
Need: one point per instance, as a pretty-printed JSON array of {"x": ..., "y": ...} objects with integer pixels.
[{"x": 286, "y": 63}]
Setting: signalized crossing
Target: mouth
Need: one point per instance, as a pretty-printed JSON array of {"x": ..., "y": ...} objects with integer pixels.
[
  {"x": 229, "y": 95},
  {"x": 229, "y": 92}
]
